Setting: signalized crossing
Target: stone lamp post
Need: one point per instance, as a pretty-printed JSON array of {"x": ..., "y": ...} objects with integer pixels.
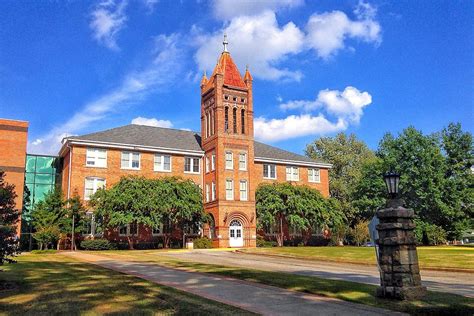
[{"x": 397, "y": 256}]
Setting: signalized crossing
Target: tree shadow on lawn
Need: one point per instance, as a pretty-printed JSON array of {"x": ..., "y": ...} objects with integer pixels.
[
  {"x": 55, "y": 287},
  {"x": 435, "y": 303}
]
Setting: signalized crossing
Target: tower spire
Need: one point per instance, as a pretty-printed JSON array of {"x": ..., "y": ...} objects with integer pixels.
[{"x": 225, "y": 43}]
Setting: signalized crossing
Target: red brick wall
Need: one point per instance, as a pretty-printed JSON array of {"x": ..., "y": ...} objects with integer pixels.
[{"x": 13, "y": 140}]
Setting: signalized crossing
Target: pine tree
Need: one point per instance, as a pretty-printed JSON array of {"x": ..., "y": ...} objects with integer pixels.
[{"x": 9, "y": 217}]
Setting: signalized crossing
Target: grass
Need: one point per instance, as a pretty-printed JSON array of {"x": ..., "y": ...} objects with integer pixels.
[
  {"x": 434, "y": 303},
  {"x": 55, "y": 284},
  {"x": 441, "y": 257}
]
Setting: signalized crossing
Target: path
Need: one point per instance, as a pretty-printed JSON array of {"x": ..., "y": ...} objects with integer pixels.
[
  {"x": 450, "y": 282},
  {"x": 262, "y": 299}
]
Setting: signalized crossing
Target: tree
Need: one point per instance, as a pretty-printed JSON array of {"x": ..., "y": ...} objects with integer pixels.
[
  {"x": 53, "y": 217},
  {"x": 301, "y": 207},
  {"x": 347, "y": 154},
  {"x": 152, "y": 202},
  {"x": 9, "y": 217},
  {"x": 360, "y": 232}
]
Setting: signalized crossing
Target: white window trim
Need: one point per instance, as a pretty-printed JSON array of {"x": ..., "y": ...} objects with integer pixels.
[
  {"x": 94, "y": 186},
  {"x": 246, "y": 161},
  {"x": 128, "y": 230},
  {"x": 318, "y": 180},
  {"x": 292, "y": 173},
  {"x": 192, "y": 164},
  {"x": 208, "y": 193},
  {"x": 130, "y": 160},
  {"x": 162, "y": 156},
  {"x": 246, "y": 190},
  {"x": 213, "y": 191},
  {"x": 213, "y": 162},
  {"x": 269, "y": 177},
  {"x": 208, "y": 165},
  {"x": 161, "y": 231},
  {"x": 232, "y": 160},
  {"x": 95, "y": 149},
  {"x": 232, "y": 188}
]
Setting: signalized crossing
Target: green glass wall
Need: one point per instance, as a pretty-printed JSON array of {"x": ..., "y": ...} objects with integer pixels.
[{"x": 41, "y": 175}]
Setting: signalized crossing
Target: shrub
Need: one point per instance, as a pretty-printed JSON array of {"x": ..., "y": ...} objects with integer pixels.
[
  {"x": 360, "y": 233},
  {"x": 429, "y": 234},
  {"x": 96, "y": 244},
  {"x": 202, "y": 243},
  {"x": 43, "y": 251},
  {"x": 261, "y": 242}
]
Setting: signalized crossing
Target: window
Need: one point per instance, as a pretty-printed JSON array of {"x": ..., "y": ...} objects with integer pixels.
[
  {"x": 243, "y": 190},
  {"x": 212, "y": 122},
  {"x": 157, "y": 231},
  {"x": 129, "y": 229},
  {"x": 92, "y": 185},
  {"x": 213, "y": 191},
  {"x": 162, "y": 163},
  {"x": 229, "y": 160},
  {"x": 207, "y": 164},
  {"x": 226, "y": 119},
  {"x": 242, "y": 161},
  {"x": 234, "y": 118},
  {"x": 130, "y": 160},
  {"x": 242, "y": 120},
  {"x": 191, "y": 165},
  {"x": 229, "y": 189},
  {"x": 234, "y": 99},
  {"x": 313, "y": 175},
  {"x": 213, "y": 162},
  {"x": 207, "y": 192},
  {"x": 96, "y": 157},
  {"x": 269, "y": 171},
  {"x": 292, "y": 174}
]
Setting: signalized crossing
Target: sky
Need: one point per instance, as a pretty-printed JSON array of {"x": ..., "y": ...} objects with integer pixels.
[{"x": 319, "y": 67}]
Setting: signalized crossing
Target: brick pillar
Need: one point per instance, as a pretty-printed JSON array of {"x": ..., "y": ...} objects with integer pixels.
[{"x": 398, "y": 259}]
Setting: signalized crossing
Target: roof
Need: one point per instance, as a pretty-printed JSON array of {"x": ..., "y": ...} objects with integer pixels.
[
  {"x": 178, "y": 140},
  {"x": 230, "y": 72}
]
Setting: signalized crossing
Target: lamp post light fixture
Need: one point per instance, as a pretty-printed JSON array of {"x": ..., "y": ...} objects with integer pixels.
[{"x": 392, "y": 181}]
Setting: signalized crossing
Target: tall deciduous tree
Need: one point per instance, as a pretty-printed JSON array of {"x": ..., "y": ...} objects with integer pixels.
[
  {"x": 152, "y": 202},
  {"x": 300, "y": 207},
  {"x": 9, "y": 217},
  {"x": 347, "y": 154}
]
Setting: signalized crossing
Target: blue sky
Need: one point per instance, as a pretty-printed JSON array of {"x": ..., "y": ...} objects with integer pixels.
[{"x": 319, "y": 67}]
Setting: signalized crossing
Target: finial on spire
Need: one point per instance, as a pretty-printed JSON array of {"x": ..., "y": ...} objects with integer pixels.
[{"x": 225, "y": 43}]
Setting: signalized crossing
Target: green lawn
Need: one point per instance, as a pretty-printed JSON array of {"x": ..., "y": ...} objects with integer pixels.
[
  {"x": 441, "y": 257},
  {"x": 433, "y": 303},
  {"x": 55, "y": 284}
]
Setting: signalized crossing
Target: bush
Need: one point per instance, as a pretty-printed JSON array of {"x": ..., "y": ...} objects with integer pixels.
[
  {"x": 261, "y": 242},
  {"x": 360, "y": 233},
  {"x": 96, "y": 244},
  {"x": 43, "y": 251},
  {"x": 202, "y": 243}
]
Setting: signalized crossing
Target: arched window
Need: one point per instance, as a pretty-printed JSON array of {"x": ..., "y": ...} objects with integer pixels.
[
  {"x": 235, "y": 223},
  {"x": 208, "y": 124},
  {"x": 242, "y": 120},
  {"x": 212, "y": 122},
  {"x": 226, "y": 119},
  {"x": 212, "y": 227},
  {"x": 234, "y": 117}
]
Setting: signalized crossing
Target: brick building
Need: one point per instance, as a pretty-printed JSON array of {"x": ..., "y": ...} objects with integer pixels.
[
  {"x": 223, "y": 159},
  {"x": 13, "y": 139}
]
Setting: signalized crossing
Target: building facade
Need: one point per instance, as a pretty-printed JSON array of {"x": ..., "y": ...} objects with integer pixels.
[
  {"x": 13, "y": 140},
  {"x": 223, "y": 159}
]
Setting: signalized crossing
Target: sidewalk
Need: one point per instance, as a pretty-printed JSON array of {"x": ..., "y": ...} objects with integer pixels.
[{"x": 262, "y": 299}]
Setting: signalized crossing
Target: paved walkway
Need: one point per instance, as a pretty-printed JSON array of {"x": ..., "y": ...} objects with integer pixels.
[
  {"x": 449, "y": 282},
  {"x": 262, "y": 299}
]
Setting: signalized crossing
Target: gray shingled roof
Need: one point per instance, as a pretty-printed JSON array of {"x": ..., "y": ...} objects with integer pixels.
[{"x": 177, "y": 139}]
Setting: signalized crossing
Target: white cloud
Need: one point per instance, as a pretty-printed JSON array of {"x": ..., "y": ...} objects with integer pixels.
[
  {"x": 257, "y": 41},
  {"x": 346, "y": 106},
  {"x": 107, "y": 19},
  {"x": 152, "y": 122},
  {"x": 150, "y": 4},
  {"x": 227, "y": 9},
  {"x": 157, "y": 74},
  {"x": 295, "y": 126},
  {"x": 327, "y": 32}
]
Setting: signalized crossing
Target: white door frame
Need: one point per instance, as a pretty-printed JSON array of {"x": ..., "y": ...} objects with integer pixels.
[{"x": 236, "y": 234}]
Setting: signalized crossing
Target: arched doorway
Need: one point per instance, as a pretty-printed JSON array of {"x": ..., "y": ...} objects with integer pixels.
[{"x": 236, "y": 236}]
